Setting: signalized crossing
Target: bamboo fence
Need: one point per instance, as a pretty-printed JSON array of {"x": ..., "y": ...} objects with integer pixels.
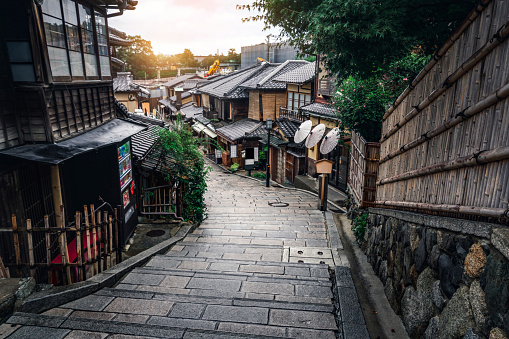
[
  {"x": 363, "y": 170},
  {"x": 445, "y": 144},
  {"x": 92, "y": 239}
]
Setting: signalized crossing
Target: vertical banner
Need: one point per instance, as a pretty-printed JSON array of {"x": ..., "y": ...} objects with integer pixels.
[{"x": 256, "y": 154}]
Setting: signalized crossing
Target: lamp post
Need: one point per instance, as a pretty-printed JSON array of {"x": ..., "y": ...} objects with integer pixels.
[{"x": 268, "y": 126}]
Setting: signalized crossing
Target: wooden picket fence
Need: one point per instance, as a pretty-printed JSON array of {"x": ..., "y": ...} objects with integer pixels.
[{"x": 74, "y": 252}]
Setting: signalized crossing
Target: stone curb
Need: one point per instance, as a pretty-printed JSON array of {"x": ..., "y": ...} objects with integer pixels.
[
  {"x": 56, "y": 296},
  {"x": 273, "y": 183},
  {"x": 477, "y": 228}
]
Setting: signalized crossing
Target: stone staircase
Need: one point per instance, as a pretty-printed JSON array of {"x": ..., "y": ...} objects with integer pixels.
[{"x": 181, "y": 296}]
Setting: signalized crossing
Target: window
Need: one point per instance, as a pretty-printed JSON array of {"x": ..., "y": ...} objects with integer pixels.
[
  {"x": 297, "y": 100},
  {"x": 76, "y": 36}
]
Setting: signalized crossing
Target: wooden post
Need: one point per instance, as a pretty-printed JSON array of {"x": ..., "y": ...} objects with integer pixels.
[
  {"x": 30, "y": 248},
  {"x": 110, "y": 233},
  {"x": 64, "y": 253},
  {"x": 79, "y": 258},
  {"x": 94, "y": 239},
  {"x": 56, "y": 191},
  {"x": 16, "y": 245},
  {"x": 87, "y": 240},
  {"x": 99, "y": 240},
  {"x": 3, "y": 272},
  {"x": 48, "y": 249},
  {"x": 104, "y": 241},
  {"x": 117, "y": 244}
]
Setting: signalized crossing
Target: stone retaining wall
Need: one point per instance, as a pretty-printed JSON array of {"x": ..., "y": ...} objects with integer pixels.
[{"x": 445, "y": 277}]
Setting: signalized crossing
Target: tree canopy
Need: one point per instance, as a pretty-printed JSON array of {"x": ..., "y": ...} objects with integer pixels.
[{"x": 357, "y": 37}]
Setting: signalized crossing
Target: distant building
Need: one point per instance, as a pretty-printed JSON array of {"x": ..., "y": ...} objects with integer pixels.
[{"x": 276, "y": 54}]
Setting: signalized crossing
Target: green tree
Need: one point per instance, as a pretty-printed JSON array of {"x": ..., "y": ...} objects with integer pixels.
[
  {"x": 358, "y": 37},
  {"x": 361, "y": 102},
  {"x": 186, "y": 166},
  {"x": 140, "y": 57},
  {"x": 233, "y": 56},
  {"x": 186, "y": 59}
]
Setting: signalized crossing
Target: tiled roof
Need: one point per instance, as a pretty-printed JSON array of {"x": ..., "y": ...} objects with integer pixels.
[
  {"x": 265, "y": 80},
  {"x": 189, "y": 84},
  {"x": 238, "y": 129},
  {"x": 117, "y": 61},
  {"x": 167, "y": 103},
  {"x": 180, "y": 79},
  {"x": 147, "y": 121},
  {"x": 299, "y": 75},
  {"x": 287, "y": 127},
  {"x": 274, "y": 140},
  {"x": 191, "y": 110},
  {"x": 143, "y": 141},
  {"x": 124, "y": 83},
  {"x": 323, "y": 110},
  {"x": 184, "y": 95},
  {"x": 229, "y": 86}
]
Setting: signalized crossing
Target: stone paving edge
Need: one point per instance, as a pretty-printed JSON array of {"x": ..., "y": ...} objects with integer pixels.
[{"x": 59, "y": 295}]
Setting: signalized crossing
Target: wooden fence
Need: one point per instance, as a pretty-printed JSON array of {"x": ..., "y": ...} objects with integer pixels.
[
  {"x": 80, "y": 249},
  {"x": 364, "y": 157},
  {"x": 445, "y": 144},
  {"x": 161, "y": 201}
]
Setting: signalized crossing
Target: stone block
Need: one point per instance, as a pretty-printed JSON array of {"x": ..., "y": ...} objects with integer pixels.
[
  {"x": 89, "y": 303},
  {"x": 182, "y": 323},
  {"x": 86, "y": 335},
  {"x": 251, "y": 315},
  {"x": 262, "y": 269},
  {"x": 349, "y": 306},
  {"x": 187, "y": 310},
  {"x": 343, "y": 277},
  {"x": 313, "y": 291},
  {"x": 252, "y": 329},
  {"x": 313, "y": 320},
  {"x": 306, "y": 333},
  {"x": 139, "y": 306},
  {"x": 131, "y": 318},
  {"x": 143, "y": 279},
  {"x": 175, "y": 281},
  {"x": 92, "y": 315},
  {"x": 36, "y": 332},
  {"x": 214, "y": 284},
  {"x": 272, "y": 288}
]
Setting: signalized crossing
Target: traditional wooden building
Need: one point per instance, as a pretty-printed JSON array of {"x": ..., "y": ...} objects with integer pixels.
[
  {"x": 61, "y": 142},
  {"x": 129, "y": 93}
]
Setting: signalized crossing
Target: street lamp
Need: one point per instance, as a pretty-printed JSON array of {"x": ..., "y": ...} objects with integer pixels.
[{"x": 268, "y": 126}]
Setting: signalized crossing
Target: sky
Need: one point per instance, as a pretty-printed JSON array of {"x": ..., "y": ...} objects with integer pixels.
[{"x": 203, "y": 26}]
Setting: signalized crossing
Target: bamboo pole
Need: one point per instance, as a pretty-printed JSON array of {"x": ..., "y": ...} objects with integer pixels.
[
  {"x": 469, "y": 112},
  {"x": 4, "y": 273},
  {"x": 30, "y": 241},
  {"x": 475, "y": 159},
  {"x": 48, "y": 248},
  {"x": 94, "y": 240},
  {"x": 438, "y": 55},
  {"x": 64, "y": 249},
  {"x": 104, "y": 241},
  {"x": 117, "y": 244},
  {"x": 98, "y": 241},
  {"x": 87, "y": 237},
  {"x": 110, "y": 228},
  {"x": 451, "y": 79},
  {"x": 470, "y": 210},
  {"x": 16, "y": 244},
  {"x": 79, "y": 258}
]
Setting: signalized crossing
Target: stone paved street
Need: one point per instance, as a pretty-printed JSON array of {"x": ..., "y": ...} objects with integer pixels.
[{"x": 249, "y": 271}]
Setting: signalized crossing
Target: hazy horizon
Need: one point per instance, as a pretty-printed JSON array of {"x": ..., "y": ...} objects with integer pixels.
[{"x": 202, "y": 26}]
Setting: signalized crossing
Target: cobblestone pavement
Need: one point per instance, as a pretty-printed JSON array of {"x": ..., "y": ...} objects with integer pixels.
[{"x": 249, "y": 271}]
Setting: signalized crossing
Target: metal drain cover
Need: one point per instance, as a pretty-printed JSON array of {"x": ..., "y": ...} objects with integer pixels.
[{"x": 155, "y": 233}]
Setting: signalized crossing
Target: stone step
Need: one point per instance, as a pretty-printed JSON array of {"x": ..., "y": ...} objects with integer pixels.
[
  {"x": 229, "y": 285},
  {"x": 161, "y": 319},
  {"x": 284, "y": 270},
  {"x": 296, "y": 239}
]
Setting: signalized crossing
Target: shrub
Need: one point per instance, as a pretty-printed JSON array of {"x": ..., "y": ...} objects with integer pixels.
[
  {"x": 259, "y": 175},
  {"x": 359, "y": 226},
  {"x": 234, "y": 167}
]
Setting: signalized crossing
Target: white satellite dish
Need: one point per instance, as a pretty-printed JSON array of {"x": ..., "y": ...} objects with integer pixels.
[
  {"x": 302, "y": 131},
  {"x": 315, "y": 135},
  {"x": 330, "y": 141}
]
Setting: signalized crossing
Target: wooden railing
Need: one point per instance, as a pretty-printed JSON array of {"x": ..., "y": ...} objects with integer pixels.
[
  {"x": 292, "y": 114},
  {"x": 364, "y": 158},
  {"x": 74, "y": 251},
  {"x": 162, "y": 200}
]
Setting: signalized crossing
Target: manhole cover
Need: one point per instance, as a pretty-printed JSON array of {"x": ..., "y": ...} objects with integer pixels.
[{"x": 155, "y": 233}]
